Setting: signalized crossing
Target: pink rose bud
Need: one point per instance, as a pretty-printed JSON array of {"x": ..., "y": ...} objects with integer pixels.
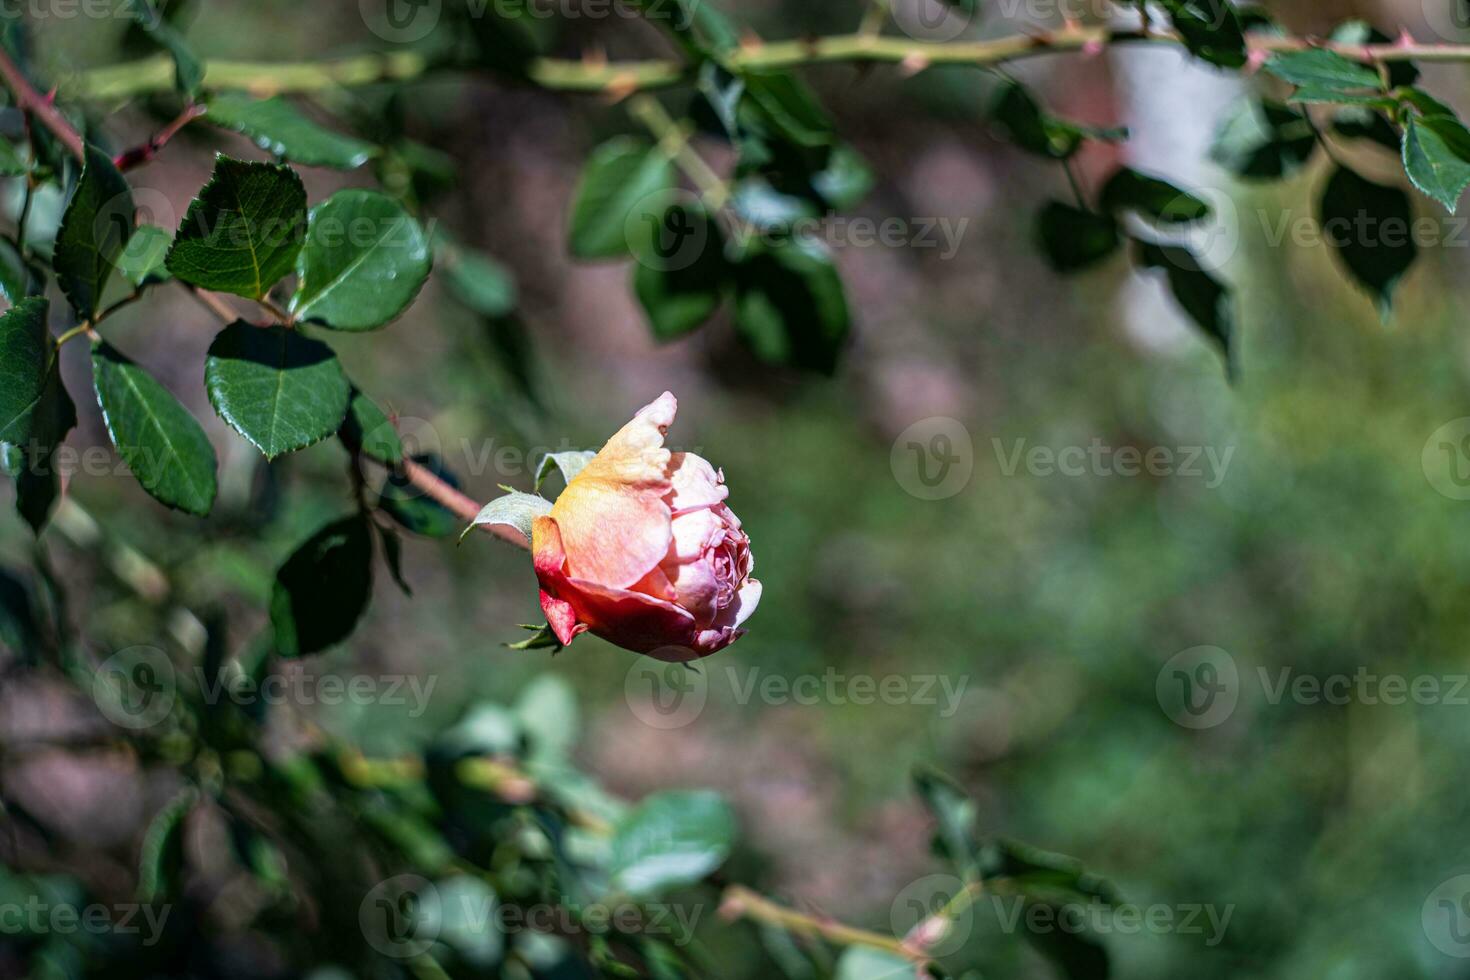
[{"x": 641, "y": 550}]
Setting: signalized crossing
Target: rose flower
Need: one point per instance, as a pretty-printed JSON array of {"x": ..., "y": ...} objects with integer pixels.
[{"x": 641, "y": 550}]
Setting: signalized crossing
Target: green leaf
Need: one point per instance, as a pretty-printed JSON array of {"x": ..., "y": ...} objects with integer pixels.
[
  {"x": 954, "y": 817},
  {"x": 668, "y": 841},
  {"x": 26, "y": 354},
  {"x": 12, "y": 162},
  {"x": 790, "y": 307},
  {"x": 1210, "y": 29},
  {"x": 1263, "y": 140},
  {"x": 845, "y": 179},
  {"x": 1079, "y": 955},
  {"x": 322, "y": 589},
  {"x": 868, "y": 963},
  {"x": 1436, "y": 151},
  {"x": 1158, "y": 199},
  {"x": 787, "y": 109},
  {"x": 1072, "y": 239},
  {"x": 683, "y": 280},
  {"x": 156, "y": 436},
  {"x": 1041, "y": 873},
  {"x": 243, "y": 231},
  {"x": 1369, "y": 226},
  {"x": 1318, "y": 95},
  {"x": 161, "y": 860},
  {"x": 94, "y": 230},
  {"x": 18, "y": 278},
  {"x": 393, "y": 557},
  {"x": 517, "y": 510},
  {"x": 188, "y": 72},
  {"x": 1322, "y": 69},
  {"x": 617, "y": 182},
  {"x": 1035, "y": 131},
  {"x": 367, "y": 430},
  {"x": 410, "y": 507},
  {"x": 1427, "y": 104},
  {"x": 278, "y": 389},
  {"x": 277, "y": 127},
  {"x": 568, "y": 464},
  {"x": 364, "y": 261},
  {"x": 37, "y": 484},
  {"x": 142, "y": 262},
  {"x": 547, "y": 711},
  {"x": 477, "y": 281},
  {"x": 1207, "y": 301}
]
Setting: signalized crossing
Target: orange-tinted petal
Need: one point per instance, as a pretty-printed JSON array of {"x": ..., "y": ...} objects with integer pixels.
[{"x": 613, "y": 519}]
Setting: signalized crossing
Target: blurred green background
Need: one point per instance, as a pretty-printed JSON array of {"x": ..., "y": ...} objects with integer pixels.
[{"x": 1053, "y": 602}]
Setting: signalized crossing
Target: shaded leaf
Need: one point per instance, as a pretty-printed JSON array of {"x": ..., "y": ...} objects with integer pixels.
[
  {"x": 322, "y": 589},
  {"x": 363, "y": 262},
  {"x": 954, "y": 816},
  {"x": 1263, "y": 140},
  {"x": 682, "y": 280},
  {"x": 26, "y": 353},
  {"x": 94, "y": 230},
  {"x": 1158, "y": 199},
  {"x": 1207, "y": 301},
  {"x": 161, "y": 860},
  {"x": 278, "y": 389},
  {"x": 1369, "y": 226},
  {"x": 477, "y": 281},
  {"x": 244, "y": 230},
  {"x": 162, "y": 444},
  {"x": 367, "y": 430},
  {"x": 1072, "y": 239},
  {"x": 1035, "y": 131},
  {"x": 1210, "y": 29},
  {"x": 188, "y": 72},
  {"x": 410, "y": 507},
  {"x": 786, "y": 108},
  {"x": 790, "y": 307},
  {"x": 279, "y": 128}
]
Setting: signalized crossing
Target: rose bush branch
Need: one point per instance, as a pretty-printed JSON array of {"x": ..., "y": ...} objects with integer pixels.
[{"x": 154, "y": 74}]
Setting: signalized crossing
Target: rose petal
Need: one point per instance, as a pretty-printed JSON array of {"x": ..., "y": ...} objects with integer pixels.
[
  {"x": 613, "y": 519},
  {"x": 696, "y": 483}
]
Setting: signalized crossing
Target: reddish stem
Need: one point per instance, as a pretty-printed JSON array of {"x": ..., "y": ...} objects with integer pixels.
[
  {"x": 140, "y": 155},
  {"x": 28, "y": 100}
]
